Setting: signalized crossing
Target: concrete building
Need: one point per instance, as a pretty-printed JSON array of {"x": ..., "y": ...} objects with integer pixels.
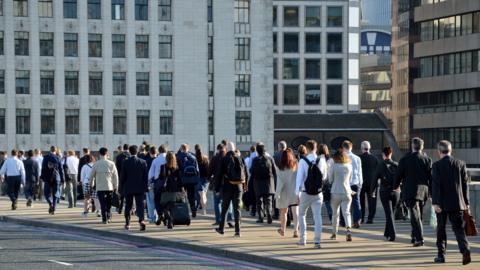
[
  {"x": 316, "y": 47},
  {"x": 104, "y": 72},
  {"x": 436, "y": 74}
]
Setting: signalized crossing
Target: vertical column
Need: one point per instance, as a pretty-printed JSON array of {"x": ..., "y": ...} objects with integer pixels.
[
  {"x": 353, "y": 64},
  {"x": 59, "y": 75},
  {"x": 107, "y": 75},
  {"x": 9, "y": 56},
  {"x": 83, "y": 73},
  {"x": 131, "y": 70},
  {"x": 34, "y": 57}
]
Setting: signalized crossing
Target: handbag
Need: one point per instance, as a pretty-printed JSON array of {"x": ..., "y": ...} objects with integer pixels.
[
  {"x": 470, "y": 225},
  {"x": 115, "y": 200},
  {"x": 433, "y": 217}
]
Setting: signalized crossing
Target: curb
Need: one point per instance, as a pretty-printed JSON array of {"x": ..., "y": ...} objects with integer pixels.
[{"x": 266, "y": 261}]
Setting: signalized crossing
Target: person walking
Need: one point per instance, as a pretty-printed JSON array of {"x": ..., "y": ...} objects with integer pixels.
[
  {"x": 119, "y": 159},
  {"x": 171, "y": 185},
  {"x": 312, "y": 171},
  {"x": 450, "y": 198},
  {"x": 189, "y": 172},
  {"x": 389, "y": 196},
  {"x": 415, "y": 175},
  {"x": 150, "y": 195},
  {"x": 214, "y": 167},
  {"x": 263, "y": 175},
  {"x": 3, "y": 184},
  {"x": 32, "y": 176},
  {"x": 368, "y": 194},
  {"x": 339, "y": 176},
  {"x": 13, "y": 171},
  {"x": 230, "y": 181},
  {"x": 71, "y": 175},
  {"x": 249, "y": 198},
  {"x": 154, "y": 180},
  {"x": 277, "y": 156},
  {"x": 325, "y": 152},
  {"x": 104, "y": 177},
  {"x": 203, "y": 174},
  {"x": 134, "y": 182},
  {"x": 38, "y": 189},
  {"x": 89, "y": 194},
  {"x": 52, "y": 177},
  {"x": 356, "y": 182},
  {"x": 285, "y": 192}
]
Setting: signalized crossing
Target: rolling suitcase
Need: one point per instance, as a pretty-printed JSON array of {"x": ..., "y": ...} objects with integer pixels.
[{"x": 181, "y": 213}]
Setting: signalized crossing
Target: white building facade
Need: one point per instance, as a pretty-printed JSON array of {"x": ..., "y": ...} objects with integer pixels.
[
  {"x": 93, "y": 73},
  {"x": 316, "y": 56}
]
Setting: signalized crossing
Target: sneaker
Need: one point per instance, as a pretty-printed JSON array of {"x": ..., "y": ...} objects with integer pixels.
[
  {"x": 349, "y": 237},
  {"x": 317, "y": 246},
  {"x": 194, "y": 214},
  {"x": 127, "y": 227},
  {"x": 333, "y": 237},
  {"x": 216, "y": 224},
  {"x": 237, "y": 235},
  {"x": 219, "y": 231},
  {"x": 98, "y": 214},
  {"x": 204, "y": 212},
  {"x": 418, "y": 244},
  {"x": 301, "y": 243}
]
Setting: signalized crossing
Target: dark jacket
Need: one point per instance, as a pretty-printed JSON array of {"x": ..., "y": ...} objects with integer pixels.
[
  {"x": 182, "y": 158},
  {"x": 31, "y": 170},
  {"x": 277, "y": 157},
  {"x": 172, "y": 179},
  {"x": 213, "y": 167},
  {"x": 369, "y": 171},
  {"x": 46, "y": 172},
  {"x": 450, "y": 184},
  {"x": 203, "y": 168},
  {"x": 386, "y": 171},
  {"x": 134, "y": 177},
  {"x": 149, "y": 159},
  {"x": 414, "y": 173},
  {"x": 82, "y": 161},
  {"x": 220, "y": 175},
  {"x": 119, "y": 161},
  {"x": 261, "y": 184}
]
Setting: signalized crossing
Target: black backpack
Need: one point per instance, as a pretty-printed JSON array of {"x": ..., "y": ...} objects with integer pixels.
[
  {"x": 236, "y": 170},
  {"x": 54, "y": 173},
  {"x": 314, "y": 182},
  {"x": 263, "y": 168}
]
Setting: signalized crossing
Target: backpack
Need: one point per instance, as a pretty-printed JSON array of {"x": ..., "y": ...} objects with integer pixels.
[
  {"x": 314, "y": 182},
  {"x": 263, "y": 168},
  {"x": 54, "y": 173},
  {"x": 190, "y": 166},
  {"x": 235, "y": 170}
]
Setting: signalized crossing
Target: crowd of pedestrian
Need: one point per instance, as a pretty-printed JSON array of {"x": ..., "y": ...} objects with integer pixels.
[{"x": 171, "y": 187}]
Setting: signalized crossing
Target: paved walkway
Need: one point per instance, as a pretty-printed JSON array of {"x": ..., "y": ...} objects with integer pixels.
[{"x": 261, "y": 243}]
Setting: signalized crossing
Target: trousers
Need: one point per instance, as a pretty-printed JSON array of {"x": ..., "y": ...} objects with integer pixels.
[
  {"x": 13, "y": 187},
  {"x": 343, "y": 200},
  {"x": 458, "y": 227},
  {"x": 231, "y": 194},
  {"x": 315, "y": 202},
  {"x": 390, "y": 200},
  {"x": 138, "y": 205}
]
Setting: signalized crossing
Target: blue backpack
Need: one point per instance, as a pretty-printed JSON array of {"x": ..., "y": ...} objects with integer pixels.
[{"x": 190, "y": 166}]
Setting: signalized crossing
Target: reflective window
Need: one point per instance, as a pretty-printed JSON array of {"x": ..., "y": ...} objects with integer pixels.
[
  {"x": 312, "y": 16},
  {"x": 290, "y": 42},
  {"x": 334, "y": 94},
  {"x": 312, "y": 42},
  {"x": 334, "y": 16},
  {"x": 290, "y": 16},
  {"x": 290, "y": 68},
  {"x": 312, "y": 94},
  {"x": 291, "y": 94},
  {"x": 47, "y": 121}
]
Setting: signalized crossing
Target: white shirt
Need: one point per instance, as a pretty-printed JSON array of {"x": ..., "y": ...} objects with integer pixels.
[
  {"x": 13, "y": 167},
  {"x": 85, "y": 173},
  {"x": 72, "y": 164},
  {"x": 357, "y": 178},
  {"x": 303, "y": 171},
  {"x": 39, "y": 160},
  {"x": 157, "y": 163}
]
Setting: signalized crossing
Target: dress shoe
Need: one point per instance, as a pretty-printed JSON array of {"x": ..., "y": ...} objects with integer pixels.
[
  {"x": 237, "y": 235},
  {"x": 216, "y": 224},
  {"x": 269, "y": 220},
  {"x": 219, "y": 231},
  {"x": 439, "y": 259},
  {"x": 356, "y": 226},
  {"x": 230, "y": 225},
  {"x": 194, "y": 214},
  {"x": 369, "y": 221},
  {"x": 466, "y": 258},
  {"x": 143, "y": 227},
  {"x": 418, "y": 244},
  {"x": 259, "y": 221}
]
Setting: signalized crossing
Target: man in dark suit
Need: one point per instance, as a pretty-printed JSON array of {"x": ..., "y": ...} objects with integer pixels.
[
  {"x": 52, "y": 175},
  {"x": 82, "y": 161},
  {"x": 370, "y": 183},
  {"x": 134, "y": 183},
  {"x": 415, "y": 175},
  {"x": 118, "y": 163},
  {"x": 449, "y": 199}
]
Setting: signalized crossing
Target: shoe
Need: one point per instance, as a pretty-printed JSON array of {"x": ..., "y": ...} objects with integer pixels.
[
  {"x": 70, "y": 206},
  {"x": 216, "y": 224},
  {"x": 237, "y": 235},
  {"x": 219, "y": 231},
  {"x": 439, "y": 259},
  {"x": 349, "y": 237},
  {"x": 356, "y": 225},
  {"x": 295, "y": 234},
  {"x": 317, "y": 246},
  {"x": 333, "y": 237},
  {"x": 252, "y": 214},
  {"x": 301, "y": 244},
  {"x": 105, "y": 222},
  {"x": 412, "y": 241},
  {"x": 369, "y": 221},
  {"x": 281, "y": 232},
  {"x": 466, "y": 258},
  {"x": 269, "y": 220},
  {"x": 14, "y": 206},
  {"x": 194, "y": 214},
  {"x": 158, "y": 222},
  {"x": 143, "y": 226},
  {"x": 230, "y": 225},
  {"x": 94, "y": 209},
  {"x": 391, "y": 239},
  {"x": 98, "y": 214},
  {"x": 418, "y": 244},
  {"x": 259, "y": 221},
  {"x": 29, "y": 203},
  {"x": 204, "y": 212},
  {"x": 127, "y": 227},
  {"x": 85, "y": 214}
]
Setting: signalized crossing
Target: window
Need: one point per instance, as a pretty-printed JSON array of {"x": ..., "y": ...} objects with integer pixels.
[
  {"x": 71, "y": 82},
  {"x": 21, "y": 43},
  {"x": 455, "y": 63},
  {"x": 2, "y": 81},
  {"x": 143, "y": 83},
  {"x": 334, "y": 94},
  {"x": 46, "y": 44},
  {"x": 426, "y": 29},
  {"x": 47, "y": 121},
  {"x": 1, "y": 10},
  {"x": 312, "y": 68},
  {"x": 290, "y": 94},
  {"x": 242, "y": 11},
  {"x": 70, "y": 9},
  {"x": 210, "y": 84},
  {"x": 23, "y": 121},
  {"x": 275, "y": 43},
  {"x": 1, "y": 43},
  {"x": 94, "y": 45},
  {"x": 211, "y": 128},
  {"x": 45, "y": 8},
  {"x": 334, "y": 42},
  {"x": 275, "y": 94},
  {"x": 209, "y": 11},
  {"x": 334, "y": 16},
  {"x": 143, "y": 122},
  {"x": 118, "y": 46},
  {"x": 312, "y": 16},
  {"x": 467, "y": 24},
  {"x": 476, "y": 22},
  {"x": 2, "y": 118},
  {"x": 312, "y": 94},
  {"x": 290, "y": 68},
  {"x": 141, "y": 46},
  {"x": 94, "y": 9},
  {"x": 275, "y": 68},
  {"x": 166, "y": 122},
  {"x": 119, "y": 121},
  {"x": 96, "y": 121},
  {"x": 141, "y": 10},
  {"x": 165, "y": 84},
  {"x": 165, "y": 10},
  {"x": 119, "y": 83},
  {"x": 242, "y": 48},
  {"x": 290, "y": 42},
  {"x": 312, "y": 42},
  {"x": 22, "y": 82},
  {"x": 210, "y": 47},
  {"x": 274, "y": 17},
  {"x": 95, "y": 83},
  {"x": 334, "y": 69},
  {"x": 290, "y": 16},
  {"x": 20, "y": 8},
  {"x": 72, "y": 121},
  {"x": 165, "y": 46},
  {"x": 118, "y": 9},
  {"x": 47, "y": 82},
  {"x": 71, "y": 44},
  {"x": 243, "y": 122},
  {"x": 242, "y": 85}
]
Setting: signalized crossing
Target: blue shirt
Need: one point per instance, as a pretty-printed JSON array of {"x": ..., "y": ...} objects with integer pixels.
[{"x": 357, "y": 178}]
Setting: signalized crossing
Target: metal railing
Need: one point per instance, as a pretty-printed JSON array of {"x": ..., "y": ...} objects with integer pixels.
[{"x": 474, "y": 173}]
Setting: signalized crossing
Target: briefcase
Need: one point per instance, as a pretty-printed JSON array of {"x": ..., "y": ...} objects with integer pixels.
[
  {"x": 115, "y": 200},
  {"x": 470, "y": 226}
]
